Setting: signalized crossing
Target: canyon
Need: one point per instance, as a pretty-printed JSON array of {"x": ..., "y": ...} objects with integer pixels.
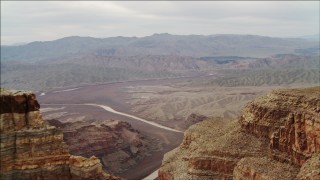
[
  {"x": 82, "y": 110},
  {"x": 276, "y": 137},
  {"x": 115, "y": 143},
  {"x": 129, "y": 110},
  {"x": 212, "y": 148},
  {"x": 32, "y": 149},
  {"x": 175, "y": 103}
]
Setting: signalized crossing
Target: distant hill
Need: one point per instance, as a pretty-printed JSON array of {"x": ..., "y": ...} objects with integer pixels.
[
  {"x": 282, "y": 69},
  {"x": 313, "y": 37},
  {"x": 72, "y": 61},
  {"x": 157, "y": 44}
]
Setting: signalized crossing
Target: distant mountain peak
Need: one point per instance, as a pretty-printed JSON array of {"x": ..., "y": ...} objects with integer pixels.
[{"x": 161, "y": 34}]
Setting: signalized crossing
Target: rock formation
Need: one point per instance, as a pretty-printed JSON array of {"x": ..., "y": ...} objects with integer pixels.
[
  {"x": 31, "y": 149},
  {"x": 211, "y": 149},
  {"x": 290, "y": 119},
  {"x": 116, "y": 143},
  {"x": 193, "y": 118},
  {"x": 311, "y": 168},
  {"x": 277, "y": 137},
  {"x": 263, "y": 168}
]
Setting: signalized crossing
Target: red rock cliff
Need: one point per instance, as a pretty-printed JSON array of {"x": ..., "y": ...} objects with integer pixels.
[
  {"x": 277, "y": 137},
  {"x": 30, "y": 149},
  {"x": 290, "y": 119}
]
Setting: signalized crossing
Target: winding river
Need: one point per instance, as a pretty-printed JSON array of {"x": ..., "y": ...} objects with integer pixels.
[
  {"x": 109, "y": 109},
  {"x": 154, "y": 174},
  {"x": 115, "y": 95}
]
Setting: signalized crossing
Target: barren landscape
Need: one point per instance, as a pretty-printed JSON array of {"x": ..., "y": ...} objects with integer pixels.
[
  {"x": 128, "y": 101},
  {"x": 169, "y": 102},
  {"x": 276, "y": 137},
  {"x": 164, "y": 90}
]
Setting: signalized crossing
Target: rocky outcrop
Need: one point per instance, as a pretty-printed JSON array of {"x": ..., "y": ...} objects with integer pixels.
[
  {"x": 88, "y": 168},
  {"x": 276, "y": 134},
  {"x": 193, "y": 118},
  {"x": 211, "y": 149},
  {"x": 263, "y": 168},
  {"x": 116, "y": 143},
  {"x": 31, "y": 149},
  {"x": 290, "y": 119}
]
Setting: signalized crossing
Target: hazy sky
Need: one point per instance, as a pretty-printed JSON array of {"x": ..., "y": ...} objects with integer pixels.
[{"x": 41, "y": 21}]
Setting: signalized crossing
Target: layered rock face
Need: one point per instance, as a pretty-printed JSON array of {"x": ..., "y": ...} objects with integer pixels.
[
  {"x": 116, "y": 143},
  {"x": 30, "y": 149},
  {"x": 276, "y": 134},
  {"x": 290, "y": 119},
  {"x": 211, "y": 150}
]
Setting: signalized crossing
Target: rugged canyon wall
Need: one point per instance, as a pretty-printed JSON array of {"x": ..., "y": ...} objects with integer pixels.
[
  {"x": 116, "y": 143},
  {"x": 210, "y": 150},
  {"x": 31, "y": 149},
  {"x": 290, "y": 119},
  {"x": 277, "y": 137}
]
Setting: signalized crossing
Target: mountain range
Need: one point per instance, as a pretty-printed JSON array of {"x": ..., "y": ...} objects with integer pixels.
[
  {"x": 75, "y": 60},
  {"x": 157, "y": 44}
]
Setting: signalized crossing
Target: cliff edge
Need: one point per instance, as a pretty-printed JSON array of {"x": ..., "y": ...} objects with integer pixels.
[
  {"x": 31, "y": 149},
  {"x": 277, "y": 137}
]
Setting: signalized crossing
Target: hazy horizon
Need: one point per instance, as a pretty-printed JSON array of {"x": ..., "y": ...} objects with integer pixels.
[
  {"x": 24, "y": 43},
  {"x": 24, "y": 22}
]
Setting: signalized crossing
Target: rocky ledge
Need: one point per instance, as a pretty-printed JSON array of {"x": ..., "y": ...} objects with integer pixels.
[
  {"x": 31, "y": 149},
  {"x": 193, "y": 118},
  {"x": 277, "y": 137}
]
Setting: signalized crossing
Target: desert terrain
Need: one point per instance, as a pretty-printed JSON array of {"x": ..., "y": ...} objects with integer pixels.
[
  {"x": 167, "y": 102},
  {"x": 128, "y": 101},
  {"x": 167, "y": 90}
]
